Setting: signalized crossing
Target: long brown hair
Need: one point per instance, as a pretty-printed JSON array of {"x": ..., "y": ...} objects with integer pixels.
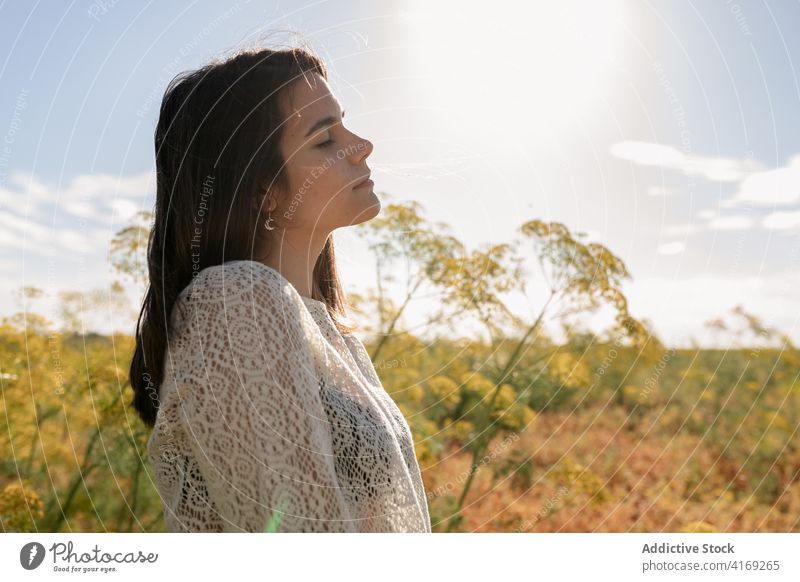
[{"x": 216, "y": 146}]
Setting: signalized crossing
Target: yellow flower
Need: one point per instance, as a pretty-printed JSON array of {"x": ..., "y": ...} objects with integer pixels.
[
  {"x": 578, "y": 478},
  {"x": 699, "y": 527},
  {"x": 528, "y": 415},
  {"x": 514, "y": 418},
  {"x": 776, "y": 419},
  {"x": 630, "y": 392},
  {"x": 444, "y": 390},
  {"x": 565, "y": 369},
  {"x": 506, "y": 397},
  {"x": 414, "y": 394},
  {"x": 478, "y": 384},
  {"x": 17, "y": 506}
]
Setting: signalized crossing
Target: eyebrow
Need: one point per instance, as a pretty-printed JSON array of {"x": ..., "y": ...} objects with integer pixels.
[{"x": 324, "y": 122}]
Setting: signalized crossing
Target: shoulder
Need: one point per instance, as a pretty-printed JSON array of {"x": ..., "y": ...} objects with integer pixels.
[
  {"x": 236, "y": 279},
  {"x": 232, "y": 277},
  {"x": 239, "y": 293}
]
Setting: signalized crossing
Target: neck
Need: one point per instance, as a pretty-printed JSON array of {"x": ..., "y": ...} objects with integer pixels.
[{"x": 294, "y": 254}]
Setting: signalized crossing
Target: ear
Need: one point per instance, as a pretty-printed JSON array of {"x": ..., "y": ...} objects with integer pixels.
[
  {"x": 262, "y": 198},
  {"x": 259, "y": 201}
]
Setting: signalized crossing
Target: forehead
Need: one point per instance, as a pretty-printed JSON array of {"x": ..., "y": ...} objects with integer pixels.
[{"x": 310, "y": 99}]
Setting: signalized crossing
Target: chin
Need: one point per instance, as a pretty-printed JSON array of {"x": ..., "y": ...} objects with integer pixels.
[{"x": 368, "y": 211}]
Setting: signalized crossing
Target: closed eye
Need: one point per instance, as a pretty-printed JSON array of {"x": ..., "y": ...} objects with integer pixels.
[{"x": 326, "y": 143}]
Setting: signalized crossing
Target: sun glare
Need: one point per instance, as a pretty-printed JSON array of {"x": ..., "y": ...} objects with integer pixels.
[{"x": 531, "y": 67}]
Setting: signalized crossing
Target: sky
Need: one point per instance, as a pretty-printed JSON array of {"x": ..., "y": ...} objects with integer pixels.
[{"x": 667, "y": 131}]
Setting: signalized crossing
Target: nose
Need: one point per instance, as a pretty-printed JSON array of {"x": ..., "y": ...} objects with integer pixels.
[{"x": 362, "y": 150}]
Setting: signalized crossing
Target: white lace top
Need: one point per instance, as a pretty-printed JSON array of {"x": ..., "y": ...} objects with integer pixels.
[{"x": 269, "y": 418}]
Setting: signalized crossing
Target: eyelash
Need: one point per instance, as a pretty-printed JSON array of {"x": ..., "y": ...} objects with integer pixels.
[{"x": 328, "y": 142}]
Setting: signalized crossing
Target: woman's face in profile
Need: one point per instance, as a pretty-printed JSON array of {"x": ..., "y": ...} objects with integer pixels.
[{"x": 324, "y": 163}]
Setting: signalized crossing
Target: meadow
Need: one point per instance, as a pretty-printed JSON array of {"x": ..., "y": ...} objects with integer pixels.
[{"x": 514, "y": 431}]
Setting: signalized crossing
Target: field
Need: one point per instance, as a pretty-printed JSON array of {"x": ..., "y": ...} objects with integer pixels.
[{"x": 601, "y": 432}]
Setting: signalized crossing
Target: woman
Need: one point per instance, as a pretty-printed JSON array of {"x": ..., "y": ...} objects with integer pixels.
[{"x": 267, "y": 413}]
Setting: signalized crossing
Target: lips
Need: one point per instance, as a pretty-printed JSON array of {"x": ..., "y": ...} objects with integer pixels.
[{"x": 363, "y": 182}]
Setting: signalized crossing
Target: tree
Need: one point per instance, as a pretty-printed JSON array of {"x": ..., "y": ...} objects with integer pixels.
[
  {"x": 581, "y": 277},
  {"x": 128, "y": 250}
]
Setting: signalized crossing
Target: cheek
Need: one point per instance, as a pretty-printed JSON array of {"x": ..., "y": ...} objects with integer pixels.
[
  {"x": 319, "y": 186},
  {"x": 322, "y": 174}
]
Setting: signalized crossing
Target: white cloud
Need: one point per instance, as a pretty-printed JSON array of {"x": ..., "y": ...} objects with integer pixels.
[
  {"x": 678, "y": 306},
  {"x": 8, "y": 265},
  {"x": 25, "y": 193},
  {"x": 730, "y": 222},
  {"x": 782, "y": 220},
  {"x": 679, "y": 229},
  {"x": 95, "y": 185},
  {"x": 24, "y": 228},
  {"x": 757, "y": 186},
  {"x": 75, "y": 241},
  {"x": 778, "y": 186},
  {"x": 99, "y": 197},
  {"x": 672, "y": 248},
  {"x": 124, "y": 209},
  {"x": 105, "y": 203},
  {"x": 9, "y": 241},
  {"x": 32, "y": 237},
  {"x": 712, "y": 168},
  {"x": 7, "y": 198},
  {"x": 659, "y": 191},
  {"x": 81, "y": 209}
]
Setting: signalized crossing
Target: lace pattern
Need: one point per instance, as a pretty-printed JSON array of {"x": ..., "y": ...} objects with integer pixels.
[{"x": 268, "y": 412}]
